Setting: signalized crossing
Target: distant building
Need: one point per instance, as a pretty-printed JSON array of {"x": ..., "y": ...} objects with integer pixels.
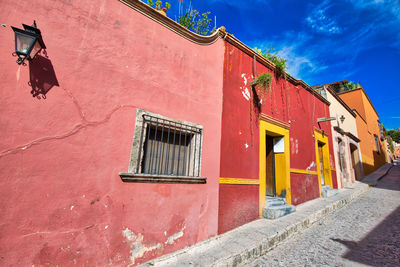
[{"x": 369, "y": 129}]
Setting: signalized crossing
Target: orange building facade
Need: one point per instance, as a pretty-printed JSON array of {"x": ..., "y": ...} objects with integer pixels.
[{"x": 372, "y": 144}]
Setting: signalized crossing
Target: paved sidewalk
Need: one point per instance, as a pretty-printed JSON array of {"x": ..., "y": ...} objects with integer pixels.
[
  {"x": 366, "y": 232},
  {"x": 246, "y": 243}
]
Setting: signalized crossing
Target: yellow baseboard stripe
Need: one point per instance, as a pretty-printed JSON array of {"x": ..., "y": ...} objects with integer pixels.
[
  {"x": 303, "y": 171},
  {"x": 239, "y": 181}
]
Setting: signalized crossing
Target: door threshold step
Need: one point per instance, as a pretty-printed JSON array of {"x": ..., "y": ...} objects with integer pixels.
[
  {"x": 327, "y": 191},
  {"x": 274, "y": 212}
]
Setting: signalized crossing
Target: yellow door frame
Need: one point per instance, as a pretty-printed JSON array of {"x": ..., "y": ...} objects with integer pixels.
[
  {"x": 282, "y": 179},
  {"x": 321, "y": 137}
]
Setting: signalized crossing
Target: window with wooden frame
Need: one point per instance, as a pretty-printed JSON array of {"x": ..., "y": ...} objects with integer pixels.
[
  {"x": 377, "y": 143},
  {"x": 165, "y": 150}
]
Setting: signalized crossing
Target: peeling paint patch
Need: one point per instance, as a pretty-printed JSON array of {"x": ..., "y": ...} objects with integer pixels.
[
  {"x": 312, "y": 165},
  {"x": 136, "y": 244},
  {"x": 244, "y": 78},
  {"x": 171, "y": 239},
  {"x": 245, "y": 91},
  {"x": 138, "y": 249}
]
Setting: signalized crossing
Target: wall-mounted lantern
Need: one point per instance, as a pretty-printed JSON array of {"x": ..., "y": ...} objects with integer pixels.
[
  {"x": 28, "y": 43},
  {"x": 342, "y": 118}
]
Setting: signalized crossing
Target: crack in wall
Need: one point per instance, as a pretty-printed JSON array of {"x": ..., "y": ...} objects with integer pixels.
[
  {"x": 77, "y": 128},
  {"x": 57, "y": 232}
]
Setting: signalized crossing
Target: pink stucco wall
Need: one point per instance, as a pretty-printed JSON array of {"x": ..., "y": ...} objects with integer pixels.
[{"x": 62, "y": 200}]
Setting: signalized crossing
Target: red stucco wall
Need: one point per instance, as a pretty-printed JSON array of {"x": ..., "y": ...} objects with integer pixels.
[
  {"x": 240, "y": 204},
  {"x": 303, "y": 183},
  {"x": 62, "y": 200},
  {"x": 240, "y": 131}
]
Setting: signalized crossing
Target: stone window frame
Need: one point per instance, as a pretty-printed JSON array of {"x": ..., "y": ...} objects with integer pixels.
[{"x": 133, "y": 175}]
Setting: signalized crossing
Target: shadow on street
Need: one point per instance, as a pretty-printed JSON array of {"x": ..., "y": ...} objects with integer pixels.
[{"x": 382, "y": 245}]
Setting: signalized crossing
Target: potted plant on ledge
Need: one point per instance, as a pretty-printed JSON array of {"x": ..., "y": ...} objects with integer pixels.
[
  {"x": 261, "y": 85},
  {"x": 158, "y": 6}
]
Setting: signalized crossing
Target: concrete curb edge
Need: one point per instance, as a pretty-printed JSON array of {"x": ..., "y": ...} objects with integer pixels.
[{"x": 251, "y": 252}]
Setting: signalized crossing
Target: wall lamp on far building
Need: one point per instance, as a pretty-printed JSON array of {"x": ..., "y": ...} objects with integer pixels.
[{"x": 28, "y": 42}]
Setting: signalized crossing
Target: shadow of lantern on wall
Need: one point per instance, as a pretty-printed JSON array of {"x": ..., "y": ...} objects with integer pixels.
[{"x": 28, "y": 43}]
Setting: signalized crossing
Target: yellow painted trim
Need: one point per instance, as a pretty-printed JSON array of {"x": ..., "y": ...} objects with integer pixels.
[
  {"x": 323, "y": 138},
  {"x": 303, "y": 171},
  {"x": 238, "y": 181},
  {"x": 333, "y": 169},
  {"x": 270, "y": 128}
]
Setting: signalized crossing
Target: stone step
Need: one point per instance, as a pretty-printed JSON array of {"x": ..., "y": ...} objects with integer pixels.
[
  {"x": 275, "y": 202},
  {"x": 327, "y": 191},
  {"x": 274, "y": 212}
]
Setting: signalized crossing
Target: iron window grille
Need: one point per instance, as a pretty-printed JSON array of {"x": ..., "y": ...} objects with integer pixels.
[{"x": 168, "y": 147}]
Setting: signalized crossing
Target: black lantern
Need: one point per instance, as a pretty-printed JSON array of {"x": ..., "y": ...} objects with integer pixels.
[{"x": 28, "y": 43}]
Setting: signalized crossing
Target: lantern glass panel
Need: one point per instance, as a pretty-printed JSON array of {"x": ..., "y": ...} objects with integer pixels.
[
  {"x": 23, "y": 42},
  {"x": 36, "y": 48}
]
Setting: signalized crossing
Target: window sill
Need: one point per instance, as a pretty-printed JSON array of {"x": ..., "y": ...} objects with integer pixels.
[{"x": 158, "y": 178}]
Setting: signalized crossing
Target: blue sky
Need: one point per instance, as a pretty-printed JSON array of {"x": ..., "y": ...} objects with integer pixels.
[{"x": 323, "y": 41}]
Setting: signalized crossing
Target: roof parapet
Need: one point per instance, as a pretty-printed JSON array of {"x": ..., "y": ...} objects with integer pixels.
[{"x": 151, "y": 13}]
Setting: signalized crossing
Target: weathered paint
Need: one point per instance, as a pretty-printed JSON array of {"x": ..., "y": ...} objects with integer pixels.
[
  {"x": 305, "y": 183},
  {"x": 240, "y": 204},
  {"x": 63, "y": 202},
  {"x": 285, "y": 102}
]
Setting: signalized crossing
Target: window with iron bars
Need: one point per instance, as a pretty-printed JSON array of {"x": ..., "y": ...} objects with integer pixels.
[
  {"x": 169, "y": 148},
  {"x": 165, "y": 150}
]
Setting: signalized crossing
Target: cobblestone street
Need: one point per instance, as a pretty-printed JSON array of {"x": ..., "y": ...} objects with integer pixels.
[{"x": 365, "y": 232}]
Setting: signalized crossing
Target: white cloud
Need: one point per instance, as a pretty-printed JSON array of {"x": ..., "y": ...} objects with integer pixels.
[{"x": 321, "y": 23}]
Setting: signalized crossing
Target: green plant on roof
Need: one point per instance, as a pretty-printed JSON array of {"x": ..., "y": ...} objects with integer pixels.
[
  {"x": 391, "y": 146},
  {"x": 196, "y": 22},
  {"x": 158, "y": 5},
  {"x": 272, "y": 55},
  {"x": 351, "y": 85},
  {"x": 264, "y": 80}
]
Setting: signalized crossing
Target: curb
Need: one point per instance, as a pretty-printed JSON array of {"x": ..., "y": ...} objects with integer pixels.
[
  {"x": 244, "y": 244},
  {"x": 373, "y": 178}
]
